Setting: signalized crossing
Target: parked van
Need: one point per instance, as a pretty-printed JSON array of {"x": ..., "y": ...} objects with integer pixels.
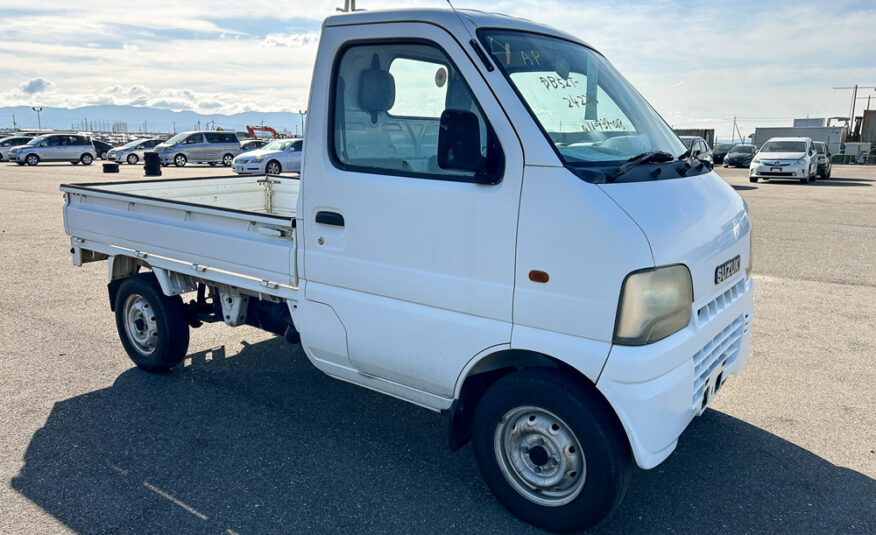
[
  {"x": 54, "y": 148},
  {"x": 206, "y": 146}
]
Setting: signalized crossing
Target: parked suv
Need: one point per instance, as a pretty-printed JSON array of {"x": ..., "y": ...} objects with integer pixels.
[
  {"x": 7, "y": 143},
  {"x": 824, "y": 164},
  {"x": 54, "y": 148},
  {"x": 785, "y": 157},
  {"x": 132, "y": 152},
  {"x": 206, "y": 146}
]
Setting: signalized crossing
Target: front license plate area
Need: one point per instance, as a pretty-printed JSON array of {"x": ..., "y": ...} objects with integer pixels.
[
  {"x": 713, "y": 385},
  {"x": 775, "y": 169}
]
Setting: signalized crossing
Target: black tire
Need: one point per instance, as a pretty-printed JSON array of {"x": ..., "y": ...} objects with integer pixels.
[
  {"x": 132, "y": 159},
  {"x": 180, "y": 160},
  {"x": 103, "y": 155},
  {"x": 86, "y": 159},
  {"x": 752, "y": 179},
  {"x": 155, "y": 342},
  {"x": 227, "y": 160},
  {"x": 569, "y": 412},
  {"x": 273, "y": 168},
  {"x": 32, "y": 159}
]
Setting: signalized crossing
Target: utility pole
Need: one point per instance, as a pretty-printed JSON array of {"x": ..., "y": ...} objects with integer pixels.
[
  {"x": 14, "y": 126},
  {"x": 302, "y": 113},
  {"x": 733, "y": 132},
  {"x": 38, "y": 110},
  {"x": 349, "y": 6},
  {"x": 854, "y": 89}
]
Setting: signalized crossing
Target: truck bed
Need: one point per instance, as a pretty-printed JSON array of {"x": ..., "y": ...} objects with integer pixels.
[{"x": 235, "y": 230}]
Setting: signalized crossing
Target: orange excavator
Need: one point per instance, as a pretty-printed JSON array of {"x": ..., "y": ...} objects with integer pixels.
[{"x": 253, "y": 129}]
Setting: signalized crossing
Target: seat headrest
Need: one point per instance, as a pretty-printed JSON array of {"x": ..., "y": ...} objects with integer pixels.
[{"x": 376, "y": 90}]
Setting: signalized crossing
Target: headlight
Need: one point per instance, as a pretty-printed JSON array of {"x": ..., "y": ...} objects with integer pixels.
[
  {"x": 802, "y": 160},
  {"x": 258, "y": 159},
  {"x": 654, "y": 304},
  {"x": 756, "y": 160}
]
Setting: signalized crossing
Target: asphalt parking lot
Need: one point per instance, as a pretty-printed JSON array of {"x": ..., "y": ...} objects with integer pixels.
[{"x": 248, "y": 438}]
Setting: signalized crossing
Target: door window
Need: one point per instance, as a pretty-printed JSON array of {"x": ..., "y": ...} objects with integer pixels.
[
  {"x": 193, "y": 139},
  {"x": 387, "y": 104},
  {"x": 55, "y": 141}
]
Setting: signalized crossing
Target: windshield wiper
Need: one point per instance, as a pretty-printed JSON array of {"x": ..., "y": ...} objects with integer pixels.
[{"x": 657, "y": 156}]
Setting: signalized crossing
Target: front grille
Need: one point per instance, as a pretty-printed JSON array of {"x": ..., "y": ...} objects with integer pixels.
[
  {"x": 714, "y": 307},
  {"x": 723, "y": 348},
  {"x": 776, "y": 173}
]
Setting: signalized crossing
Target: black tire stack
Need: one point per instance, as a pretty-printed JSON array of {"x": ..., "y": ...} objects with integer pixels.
[{"x": 152, "y": 163}]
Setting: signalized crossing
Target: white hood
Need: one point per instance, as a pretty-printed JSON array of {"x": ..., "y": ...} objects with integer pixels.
[
  {"x": 780, "y": 155},
  {"x": 259, "y": 153}
]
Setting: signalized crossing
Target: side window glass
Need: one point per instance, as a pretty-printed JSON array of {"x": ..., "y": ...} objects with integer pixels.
[
  {"x": 194, "y": 138},
  {"x": 53, "y": 141},
  {"x": 296, "y": 146},
  {"x": 387, "y": 106}
]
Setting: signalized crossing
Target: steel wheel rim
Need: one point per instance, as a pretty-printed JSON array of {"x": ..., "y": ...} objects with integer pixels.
[
  {"x": 540, "y": 456},
  {"x": 140, "y": 324}
]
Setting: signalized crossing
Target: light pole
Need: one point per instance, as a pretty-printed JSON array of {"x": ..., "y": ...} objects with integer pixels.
[
  {"x": 302, "y": 113},
  {"x": 39, "y": 123}
]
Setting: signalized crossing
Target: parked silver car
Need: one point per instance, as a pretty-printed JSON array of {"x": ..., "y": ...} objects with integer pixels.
[
  {"x": 7, "y": 143},
  {"x": 71, "y": 148},
  {"x": 208, "y": 146},
  {"x": 132, "y": 152}
]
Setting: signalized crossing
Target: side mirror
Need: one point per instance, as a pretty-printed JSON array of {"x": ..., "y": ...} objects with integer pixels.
[
  {"x": 459, "y": 145},
  {"x": 695, "y": 152}
]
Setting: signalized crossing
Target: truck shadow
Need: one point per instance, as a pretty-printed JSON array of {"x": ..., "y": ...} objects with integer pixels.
[{"x": 263, "y": 443}]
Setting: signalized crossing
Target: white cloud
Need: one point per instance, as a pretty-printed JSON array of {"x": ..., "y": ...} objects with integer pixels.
[{"x": 290, "y": 40}]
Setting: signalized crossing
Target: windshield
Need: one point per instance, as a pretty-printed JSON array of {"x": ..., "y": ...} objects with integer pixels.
[
  {"x": 177, "y": 138},
  {"x": 784, "y": 146},
  {"x": 743, "y": 148},
  {"x": 132, "y": 144},
  {"x": 590, "y": 113},
  {"x": 722, "y": 146},
  {"x": 821, "y": 148},
  {"x": 36, "y": 140},
  {"x": 280, "y": 144}
]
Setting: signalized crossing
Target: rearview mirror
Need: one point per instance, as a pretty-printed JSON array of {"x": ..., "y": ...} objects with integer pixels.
[{"x": 459, "y": 144}]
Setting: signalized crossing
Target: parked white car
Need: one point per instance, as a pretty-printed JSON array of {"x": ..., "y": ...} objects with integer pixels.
[
  {"x": 132, "y": 152},
  {"x": 7, "y": 143},
  {"x": 785, "y": 157},
  {"x": 281, "y": 155}
]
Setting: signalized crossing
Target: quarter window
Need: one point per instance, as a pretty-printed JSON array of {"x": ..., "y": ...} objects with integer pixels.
[{"x": 387, "y": 104}]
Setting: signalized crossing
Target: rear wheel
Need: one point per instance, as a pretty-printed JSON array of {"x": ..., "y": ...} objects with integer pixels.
[
  {"x": 133, "y": 159},
  {"x": 151, "y": 325},
  {"x": 551, "y": 450},
  {"x": 86, "y": 159},
  {"x": 273, "y": 168},
  {"x": 180, "y": 160},
  {"x": 227, "y": 159}
]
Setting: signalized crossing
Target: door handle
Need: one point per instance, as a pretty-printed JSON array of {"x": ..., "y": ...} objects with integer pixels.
[{"x": 330, "y": 218}]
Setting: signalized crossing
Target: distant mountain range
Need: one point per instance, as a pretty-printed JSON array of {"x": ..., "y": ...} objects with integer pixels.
[{"x": 141, "y": 119}]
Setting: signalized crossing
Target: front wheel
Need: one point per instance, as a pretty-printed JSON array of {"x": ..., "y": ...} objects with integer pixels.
[
  {"x": 32, "y": 159},
  {"x": 180, "y": 160},
  {"x": 132, "y": 159},
  {"x": 273, "y": 168},
  {"x": 151, "y": 325},
  {"x": 551, "y": 450},
  {"x": 752, "y": 179}
]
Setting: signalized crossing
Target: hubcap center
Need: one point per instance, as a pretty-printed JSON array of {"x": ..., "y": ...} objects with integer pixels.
[{"x": 538, "y": 456}]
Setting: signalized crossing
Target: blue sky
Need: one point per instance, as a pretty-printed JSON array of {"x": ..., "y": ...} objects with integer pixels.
[{"x": 697, "y": 63}]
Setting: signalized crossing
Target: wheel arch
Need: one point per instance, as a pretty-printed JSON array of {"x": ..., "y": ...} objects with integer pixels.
[
  {"x": 274, "y": 160},
  {"x": 488, "y": 368}
]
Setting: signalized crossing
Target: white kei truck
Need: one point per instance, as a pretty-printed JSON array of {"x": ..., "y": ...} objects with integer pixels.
[{"x": 490, "y": 222}]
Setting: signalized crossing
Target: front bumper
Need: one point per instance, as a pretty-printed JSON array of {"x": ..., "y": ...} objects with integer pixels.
[
  {"x": 657, "y": 389},
  {"x": 737, "y": 162},
  {"x": 766, "y": 170},
  {"x": 248, "y": 168}
]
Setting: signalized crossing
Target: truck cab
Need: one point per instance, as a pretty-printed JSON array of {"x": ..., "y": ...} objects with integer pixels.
[{"x": 490, "y": 222}]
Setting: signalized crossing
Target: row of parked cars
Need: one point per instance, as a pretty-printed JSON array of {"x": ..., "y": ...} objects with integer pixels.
[
  {"x": 255, "y": 156},
  {"x": 785, "y": 157}
]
